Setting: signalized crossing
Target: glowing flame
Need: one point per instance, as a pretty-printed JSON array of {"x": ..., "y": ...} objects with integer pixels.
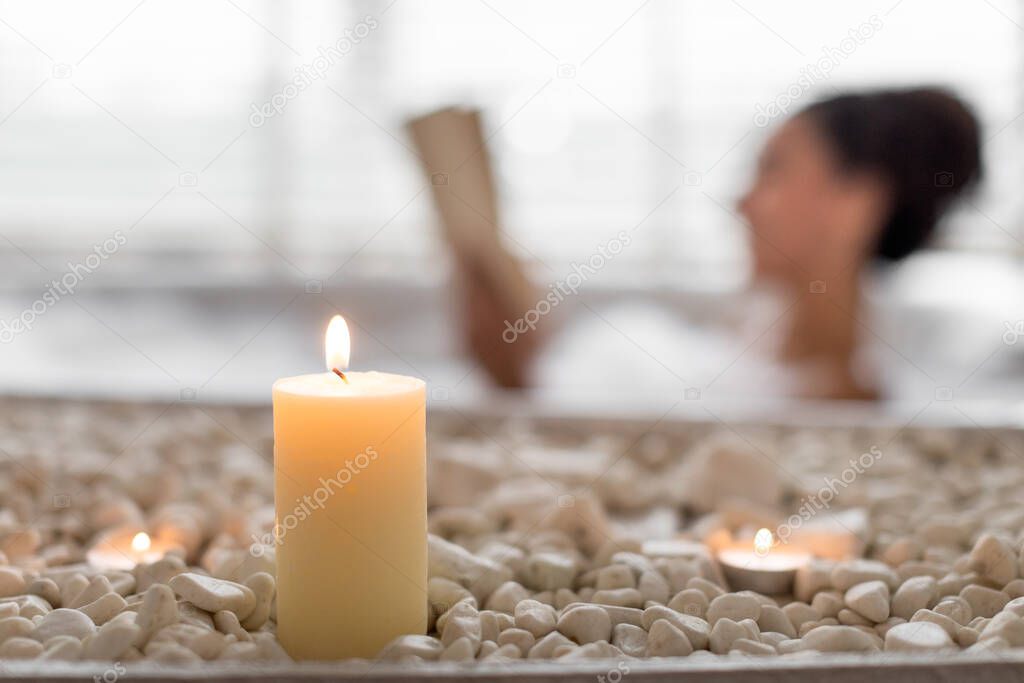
[
  {"x": 762, "y": 541},
  {"x": 337, "y": 344},
  {"x": 140, "y": 542}
]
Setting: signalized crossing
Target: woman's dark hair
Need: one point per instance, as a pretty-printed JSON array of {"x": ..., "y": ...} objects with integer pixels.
[{"x": 923, "y": 141}]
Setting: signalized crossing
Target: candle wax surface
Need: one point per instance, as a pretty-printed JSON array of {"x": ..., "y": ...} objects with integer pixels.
[
  {"x": 351, "y": 512},
  {"x": 772, "y": 561},
  {"x": 360, "y": 384}
]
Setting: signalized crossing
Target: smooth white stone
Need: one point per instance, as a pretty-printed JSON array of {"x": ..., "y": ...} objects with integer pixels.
[
  {"x": 994, "y": 558},
  {"x": 536, "y": 617},
  {"x": 665, "y": 640},
  {"x": 724, "y": 633},
  {"x": 733, "y": 606},
  {"x": 917, "y": 636},
  {"x": 870, "y": 600},
  {"x": 63, "y": 622},
  {"x": 915, "y": 593},
  {"x": 632, "y": 640},
  {"x": 838, "y": 639},
  {"x": 585, "y": 624},
  {"x": 690, "y": 601},
  {"x": 214, "y": 595}
]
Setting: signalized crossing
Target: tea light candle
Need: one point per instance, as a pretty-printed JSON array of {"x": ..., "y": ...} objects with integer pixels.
[
  {"x": 351, "y": 508},
  {"x": 125, "y": 547},
  {"x": 762, "y": 569}
]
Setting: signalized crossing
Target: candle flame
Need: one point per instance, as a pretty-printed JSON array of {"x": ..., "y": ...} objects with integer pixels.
[
  {"x": 337, "y": 344},
  {"x": 140, "y": 542},
  {"x": 762, "y": 541}
]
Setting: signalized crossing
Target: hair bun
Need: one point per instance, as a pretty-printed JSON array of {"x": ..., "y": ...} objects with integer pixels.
[{"x": 924, "y": 141}]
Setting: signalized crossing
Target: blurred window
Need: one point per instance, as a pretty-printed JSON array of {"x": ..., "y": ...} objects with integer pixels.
[{"x": 266, "y": 138}]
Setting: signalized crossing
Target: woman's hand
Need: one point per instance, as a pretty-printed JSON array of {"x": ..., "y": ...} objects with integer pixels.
[{"x": 488, "y": 323}]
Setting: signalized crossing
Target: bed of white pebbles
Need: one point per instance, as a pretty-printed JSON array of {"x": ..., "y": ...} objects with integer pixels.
[{"x": 536, "y": 547}]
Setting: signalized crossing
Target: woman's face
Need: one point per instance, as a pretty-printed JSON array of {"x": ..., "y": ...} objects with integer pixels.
[{"x": 799, "y": 207}]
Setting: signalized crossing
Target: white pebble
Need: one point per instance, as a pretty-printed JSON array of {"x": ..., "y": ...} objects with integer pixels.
[
  {"x": 213, "y": 595},
  {"x": 984, "y": 602},
  {"x": 161, "y": 571},
  {"x": 454, "y": 562},
  {"x": 506, "y": 596},
  {"x": 848, "y": 617},
  {"x": 521, "y": 638},
  {"x": 696, "y": 629},
  {"x": 20, "y": 648},
  {"x": 262, "y": 586},
  {"x": 112, "y": 640},
  {"x": 733, "y": 606},
  {"x": 665, "y": 640},
  {"x": 11, "y": 582},
  {"x": 653, "y": 587},
  {"x": 487, "y": 648},
  {"x": 461, "y": 650},
  {"x": 994, "y": 558},
  {"x": 870, "y": 600},
  {"x": 504, "y": 653},
  {"x": 159, "y": 609},
  {"x": 546, "y": 646},
  {"x": 632, "y": 640},
  {"x": 828, "y": 603},
  {"x": 550, "y": 571},
  {"x": 690, "y": 601},
  {"x": 917, "y": 636},
  {"x": 536, "y": 617},
  {"x": 709, "y": 589},
  {"x": 46, "y": 589},
  {"x": 800, "y": 613},
  {"x": 461, "y": 621},
  {"x": 619, "y": 597},
  {"x": 615, "y": 576},
  {"x": 585, "y": 624},
  {"x": 848, "y": 574},
  {"x": 598, "y": 650},
  {"x": 71, "y": 587},
  {"x": 403, "y": 647},
  {"x": 13, "y": 627},
  {"x": 944, "y": 622},
  {"x": 965, "y": 637},
  {"x": 490, "y": 627},
  {"x": 104, "y": 608},
  {"x": 838, "y": 639},
  {"x": 724, "y": 633},
  {"x": 1016, "y": 606},
  {"x": 752, "y": 647},
  {"x": 772, "y": 618},
  {"x": 813, "y": 577},
  {"x": 1008, "y": 626},
  {"x": 956, "y": 608},
  {"x": 63, "y": 622},
  {"x": 915, "y": 593},
  {"x": 94, "y": 590},
  {"x": 62, "y": 648},
  {"x": 228, "y": 624},
  {"x": 442, "y": 593},
  {"x": 32, "y": 606}
]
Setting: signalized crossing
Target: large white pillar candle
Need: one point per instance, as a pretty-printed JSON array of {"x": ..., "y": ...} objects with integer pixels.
[{"x": 351, "y": 509}]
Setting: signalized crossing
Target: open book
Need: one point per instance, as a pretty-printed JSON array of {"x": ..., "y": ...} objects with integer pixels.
[{"x": 454, "y": 156}]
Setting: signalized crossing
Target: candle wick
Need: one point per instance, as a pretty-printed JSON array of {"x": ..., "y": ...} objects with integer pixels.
[{"x": 340, "y": 374}]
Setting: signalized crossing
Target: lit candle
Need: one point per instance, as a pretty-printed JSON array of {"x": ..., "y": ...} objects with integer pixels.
[
  {"x": 351, "y": 507},
  {"x": 767, "y": 571},
  {"x": 125, "y": 547}
]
